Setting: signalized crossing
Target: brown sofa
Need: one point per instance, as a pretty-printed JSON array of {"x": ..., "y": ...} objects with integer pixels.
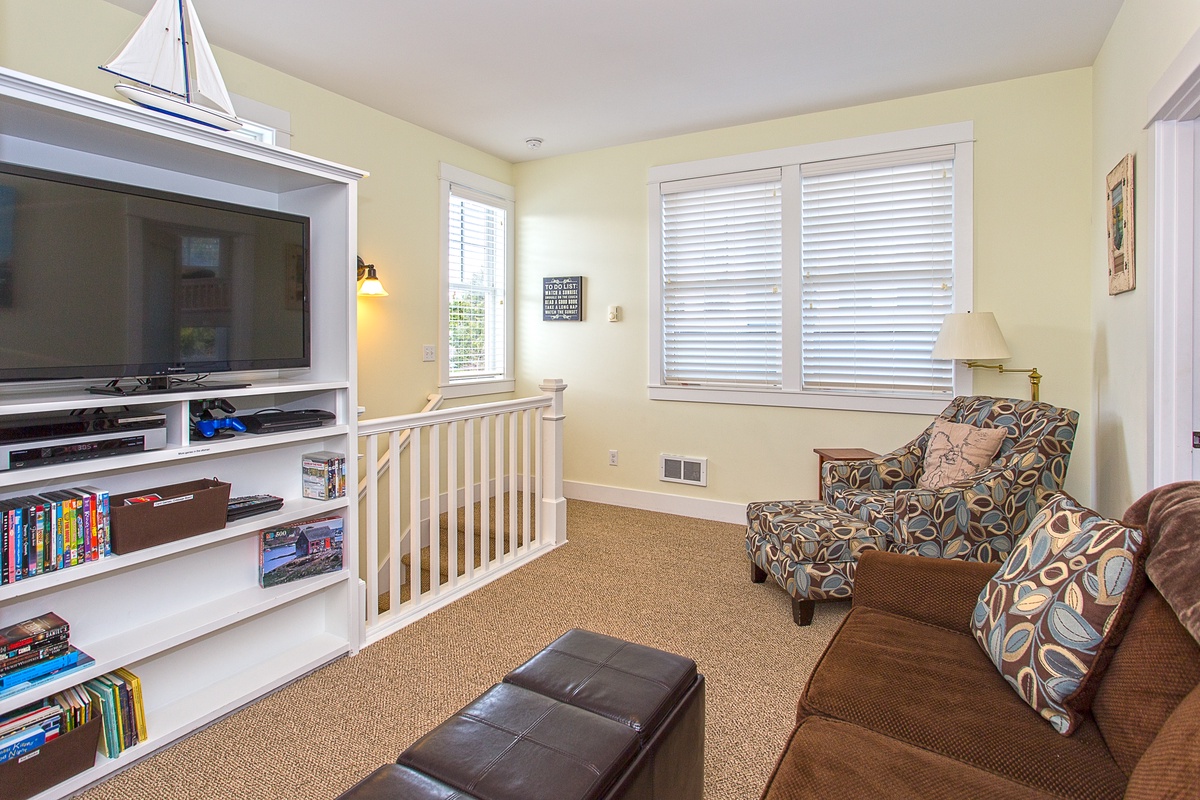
[{"x": 905, "y": 703}]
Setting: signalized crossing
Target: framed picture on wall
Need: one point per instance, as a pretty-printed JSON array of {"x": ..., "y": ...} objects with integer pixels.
[{"x": 1121, "y": 276}]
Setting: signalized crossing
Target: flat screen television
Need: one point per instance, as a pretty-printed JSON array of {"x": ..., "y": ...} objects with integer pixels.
[{"x": 103, "y": 280}]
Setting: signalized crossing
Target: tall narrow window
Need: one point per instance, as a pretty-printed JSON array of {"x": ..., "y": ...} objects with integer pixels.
[
  {"x": 722, "y": 271},
  {"x": 877, "y": 272},
  {"x": 477, "y": 330}
]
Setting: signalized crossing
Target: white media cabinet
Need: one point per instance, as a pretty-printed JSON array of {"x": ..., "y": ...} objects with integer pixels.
[{"x": 189, "y": 617}]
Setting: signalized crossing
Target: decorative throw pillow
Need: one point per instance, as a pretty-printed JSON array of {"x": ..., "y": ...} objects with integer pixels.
[
  {"x": 955, "y": 451},
  {"x": 1050, "y": 618}
]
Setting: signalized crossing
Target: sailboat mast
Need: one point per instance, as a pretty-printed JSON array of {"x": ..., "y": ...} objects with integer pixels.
[{"x": 184, "y": 36}]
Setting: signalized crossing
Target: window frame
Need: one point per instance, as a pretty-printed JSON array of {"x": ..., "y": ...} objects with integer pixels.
[
  {"x": 790, "y": 394},
  {"x": 502, "y": 196}
]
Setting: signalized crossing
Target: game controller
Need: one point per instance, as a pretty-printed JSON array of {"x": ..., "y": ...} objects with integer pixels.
[{"x": 208, "y": 427}]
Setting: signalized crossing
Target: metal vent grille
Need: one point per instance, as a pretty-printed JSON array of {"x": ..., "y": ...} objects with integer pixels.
[{"x": 682, "y": 469}]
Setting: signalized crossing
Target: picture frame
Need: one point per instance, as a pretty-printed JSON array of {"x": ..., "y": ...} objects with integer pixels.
[
  {"x": 562, "y": 299},
  {"x": 1122, "y": 276}
]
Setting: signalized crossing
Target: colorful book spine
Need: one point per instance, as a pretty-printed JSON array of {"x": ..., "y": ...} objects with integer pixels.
[
  {"x": 47, "y": 626},
  {"x": 38, "y": 669},
  {"x": 21, "y": 742},
  {"x": 52, "y": 531},
  {"x": 32, "y": 655}
]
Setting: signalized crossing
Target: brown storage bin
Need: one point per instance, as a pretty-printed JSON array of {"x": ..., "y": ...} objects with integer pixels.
[
  {"x": 186, "y": 509},
  {"x": 53, "y": 762}
]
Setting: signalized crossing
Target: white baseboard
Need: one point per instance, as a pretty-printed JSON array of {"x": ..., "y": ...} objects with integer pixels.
[{"x": 698, "y": 508}]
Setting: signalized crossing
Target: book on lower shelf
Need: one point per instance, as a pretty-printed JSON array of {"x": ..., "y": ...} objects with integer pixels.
[
  {"x": 74, "y": 660},
  {"x": 119, "y": 696}
]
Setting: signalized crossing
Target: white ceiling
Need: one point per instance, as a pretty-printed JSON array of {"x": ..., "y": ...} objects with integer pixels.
[{"x": 583, "y": 74}]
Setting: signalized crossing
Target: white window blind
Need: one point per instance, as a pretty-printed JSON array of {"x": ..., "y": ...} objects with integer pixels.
[
  {"x": 877, "y": 267},
  {"x": 722, "y": 273},
  {"x": 476, "y": 274}
]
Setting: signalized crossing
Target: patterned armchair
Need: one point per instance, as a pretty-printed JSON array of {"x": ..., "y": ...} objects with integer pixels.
[{"x": 978, "y": 518}]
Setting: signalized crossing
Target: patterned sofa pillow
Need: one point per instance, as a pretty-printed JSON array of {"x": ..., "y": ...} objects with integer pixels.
[
  {"x": 1052, "y": 615},
  {"x": 955, "y": 451}
]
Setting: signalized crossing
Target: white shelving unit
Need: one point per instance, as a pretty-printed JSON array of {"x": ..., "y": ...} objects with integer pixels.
[{"x": 189, "y": 617}]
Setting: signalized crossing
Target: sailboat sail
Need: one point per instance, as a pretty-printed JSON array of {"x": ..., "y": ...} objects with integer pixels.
[
  {"x": 154, "y": 53},
  {"x": 209, "y": 86},
  {"x": 177, "y": 73}
]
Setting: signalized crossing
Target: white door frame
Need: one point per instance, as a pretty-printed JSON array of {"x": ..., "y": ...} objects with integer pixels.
[{"x": 1174, "y": 106}]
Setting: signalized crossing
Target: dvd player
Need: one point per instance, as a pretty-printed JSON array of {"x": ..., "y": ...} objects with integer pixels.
[
  {"x": 44, "y": 427},
  {"x": 278, "y": 421}
]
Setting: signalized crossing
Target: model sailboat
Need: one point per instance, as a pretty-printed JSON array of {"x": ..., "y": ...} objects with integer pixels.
[{"x": 172, "y": 68}]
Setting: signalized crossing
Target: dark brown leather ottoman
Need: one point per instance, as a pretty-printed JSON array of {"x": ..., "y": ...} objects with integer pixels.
[
  {"x": 590, "y": 717},
  {"x": 657, "y": 694}
]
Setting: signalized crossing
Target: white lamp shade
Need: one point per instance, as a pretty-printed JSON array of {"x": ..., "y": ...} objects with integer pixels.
[{"x": 970, "y": 337}]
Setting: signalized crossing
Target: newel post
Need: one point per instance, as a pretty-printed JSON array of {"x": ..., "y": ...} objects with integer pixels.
[{"x": 554, "y": 506}]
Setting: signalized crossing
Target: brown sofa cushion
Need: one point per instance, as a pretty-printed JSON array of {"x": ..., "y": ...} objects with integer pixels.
[
  {"x": 1050, "y": 618},
  {"x": 892, "y": 770},
  {"x": 1170, "y": 769},
  {"x": 1172, "y": 514},
  {"x": 1155, "y": 667},
  {"x": 939, "y": 591},
  {"x": 935, "y": 689}
]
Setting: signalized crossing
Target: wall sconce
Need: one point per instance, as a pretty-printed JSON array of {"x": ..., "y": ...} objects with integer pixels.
[
  {"x": 968, "y": 337},
  {"x": 368, "y": 281}
]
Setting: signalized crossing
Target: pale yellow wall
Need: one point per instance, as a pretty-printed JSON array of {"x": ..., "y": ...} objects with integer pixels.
[
  {"x": 586, "y": 215},
  {"x": 1144, "y": 40},
  {"x": 65, "y": 40}
]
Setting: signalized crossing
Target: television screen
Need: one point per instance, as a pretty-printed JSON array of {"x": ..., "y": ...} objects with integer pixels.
[{"x": 101, "y": 280}]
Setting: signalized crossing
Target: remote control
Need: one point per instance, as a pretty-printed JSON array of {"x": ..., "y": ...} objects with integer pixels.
[{"x": 252, "y": 504}]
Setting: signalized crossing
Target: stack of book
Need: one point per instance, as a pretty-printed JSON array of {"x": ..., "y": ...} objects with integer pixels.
[
  {"x": 119, "y": 695},
  {"x": 26, "y": 729},
  {"x": 36, "y": 650},
  {"x": 52, "y": 531}
]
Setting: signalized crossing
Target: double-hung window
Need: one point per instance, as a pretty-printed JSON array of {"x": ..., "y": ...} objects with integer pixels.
[
  {"x": 816, "y": 276},
  {"x": 477, "y": 267}
]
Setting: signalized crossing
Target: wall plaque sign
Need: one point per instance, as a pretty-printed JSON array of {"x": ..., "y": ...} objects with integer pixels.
[{"x": 562, "y": 299}]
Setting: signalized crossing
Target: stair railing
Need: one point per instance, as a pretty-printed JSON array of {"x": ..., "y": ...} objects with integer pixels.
[{"x": 470, "y": 494}]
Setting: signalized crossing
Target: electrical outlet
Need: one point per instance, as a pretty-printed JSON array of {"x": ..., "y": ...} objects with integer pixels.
[
  {"x": 612, "y": 458},
  {"x": 429, "y": 353}
]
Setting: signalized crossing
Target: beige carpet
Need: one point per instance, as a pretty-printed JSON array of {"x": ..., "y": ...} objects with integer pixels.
[{"x": 661, "y": 580}]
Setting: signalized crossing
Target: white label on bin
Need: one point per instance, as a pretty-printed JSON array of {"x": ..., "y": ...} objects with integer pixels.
[
  {"x": 168, "y": 502},
  {"x": 28, "y": 756}
]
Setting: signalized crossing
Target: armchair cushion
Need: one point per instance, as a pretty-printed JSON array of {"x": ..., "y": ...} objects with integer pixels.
[
  {"x": 956, "y": 451},
  {"x": 1048, "y": 620}
]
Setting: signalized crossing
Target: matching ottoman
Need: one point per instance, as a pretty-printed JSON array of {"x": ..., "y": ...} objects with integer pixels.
[
  {"x": 591, "y": 717},
  {"x": 810, "y": 548}
]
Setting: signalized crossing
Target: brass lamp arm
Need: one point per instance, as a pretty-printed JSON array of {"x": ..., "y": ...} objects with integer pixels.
[{"x": 1035, "y": 377}]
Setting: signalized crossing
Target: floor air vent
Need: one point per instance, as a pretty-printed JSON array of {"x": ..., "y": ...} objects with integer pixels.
[{"x": 681, "y": 469}]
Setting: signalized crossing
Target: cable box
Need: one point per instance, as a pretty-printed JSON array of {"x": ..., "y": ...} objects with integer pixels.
[
  {"x": 80, "y": 448},
  {"x": 47, "y": 427}
]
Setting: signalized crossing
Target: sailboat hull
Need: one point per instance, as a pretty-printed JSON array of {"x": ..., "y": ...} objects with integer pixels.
[{"x": 167, "y": 104}]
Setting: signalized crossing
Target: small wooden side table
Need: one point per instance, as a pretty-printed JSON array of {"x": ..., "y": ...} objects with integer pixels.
[{"x": 838, "y": 454}]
